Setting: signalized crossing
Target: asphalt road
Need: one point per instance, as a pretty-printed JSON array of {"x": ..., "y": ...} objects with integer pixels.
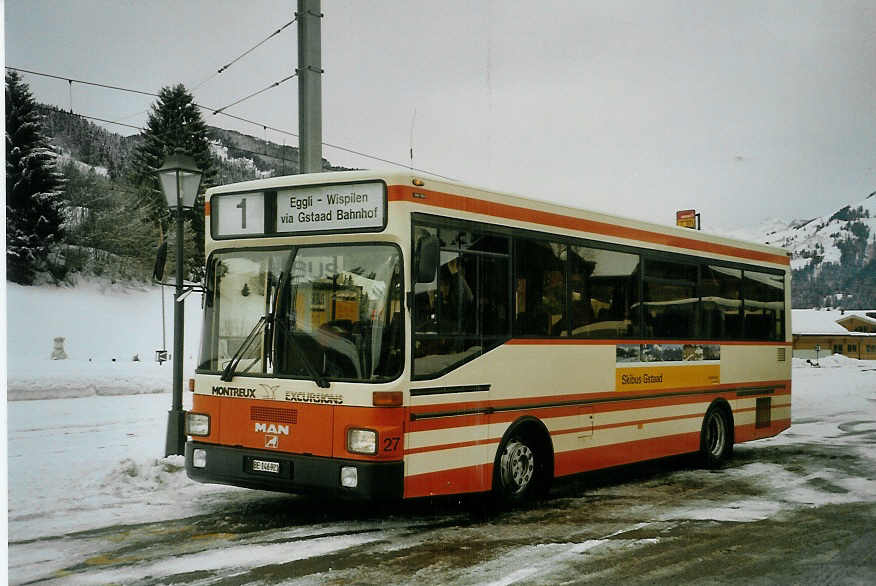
[{"x": 665, "y": 522}]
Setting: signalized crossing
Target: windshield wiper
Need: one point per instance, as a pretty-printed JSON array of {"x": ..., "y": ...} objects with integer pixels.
[
  {"x": 228, "y": 372},
  {"x": 319, "y": 379}
]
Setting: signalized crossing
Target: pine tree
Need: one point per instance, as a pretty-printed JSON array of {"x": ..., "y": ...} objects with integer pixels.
[
  {"x": 33, "y": 186},
  {"x": 174, "y": 122}
]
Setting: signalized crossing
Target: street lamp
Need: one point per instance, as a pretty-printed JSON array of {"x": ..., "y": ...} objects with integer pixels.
[{"x": 180, "y": 181}]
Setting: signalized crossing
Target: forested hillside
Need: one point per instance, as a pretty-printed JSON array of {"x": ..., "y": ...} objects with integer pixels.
[{"x": 107, "y": 230}]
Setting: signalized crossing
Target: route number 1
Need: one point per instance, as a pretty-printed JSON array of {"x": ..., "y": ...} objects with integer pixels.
[
  {"x": 242, "y": 207},
  {"x": 239, "y": 215}
]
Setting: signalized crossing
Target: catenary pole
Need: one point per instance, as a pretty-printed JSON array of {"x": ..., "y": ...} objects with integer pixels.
[{"x": 309, "y": 86}]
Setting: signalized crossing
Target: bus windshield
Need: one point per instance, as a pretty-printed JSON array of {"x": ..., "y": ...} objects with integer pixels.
[{"x": 319, "y": 313}]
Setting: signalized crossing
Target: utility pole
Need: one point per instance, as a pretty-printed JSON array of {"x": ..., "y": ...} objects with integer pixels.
[{"x": 309, "y": 86}]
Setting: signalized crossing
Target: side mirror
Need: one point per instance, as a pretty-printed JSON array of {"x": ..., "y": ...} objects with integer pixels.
[
  {"x": 427, "y": 259},
  {"x": 160, "y": 260}
]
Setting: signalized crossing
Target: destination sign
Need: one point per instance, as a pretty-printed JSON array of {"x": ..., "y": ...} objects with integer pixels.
[
  {"x": 349, "y": 207},
  {"x": 324, "y": 208}
]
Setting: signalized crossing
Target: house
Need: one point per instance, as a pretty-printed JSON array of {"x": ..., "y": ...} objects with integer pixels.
[{"x": 851, "y": 333}]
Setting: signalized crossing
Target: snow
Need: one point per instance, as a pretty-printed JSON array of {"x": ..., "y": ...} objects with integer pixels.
[
  {"x": 85, "y": 452},
  {"x": 807, "y": 239},
  {"x": 246, "y": 164},
  {"x": 65, "y": 157},
  {"x": 104, "y": 327},
  {"x": 822, "y": 399},
  {"x": 820, "y": 235},
  {"x": 824, "y": 321}
]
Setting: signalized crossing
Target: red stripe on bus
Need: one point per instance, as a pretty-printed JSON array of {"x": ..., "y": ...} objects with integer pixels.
[
  {"x": 495, "y": 440},
  {"x": 511, "y": 212},
  {"x": 457, "y": 480},
  {"x": 750, "y": 431},
  {"x": 633, "y": 423},
  {"x": 586, "y": 459},
  {"x": 453, "y": 446}
]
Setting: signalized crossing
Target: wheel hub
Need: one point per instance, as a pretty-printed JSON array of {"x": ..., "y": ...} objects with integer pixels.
[{"x": 518, "y": 466}]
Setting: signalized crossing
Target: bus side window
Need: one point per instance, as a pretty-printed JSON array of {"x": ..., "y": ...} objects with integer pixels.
[
  {"x": 720, "y": 291},
  {"x": 465, "y": 312},
  {"x": 604, "y": 287},
  {"x": 540, "y": 266},
  {"x": 764, "y": 305}
]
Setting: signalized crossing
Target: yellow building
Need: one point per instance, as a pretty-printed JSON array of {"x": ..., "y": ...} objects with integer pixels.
[{"x": 822, "y": 332}]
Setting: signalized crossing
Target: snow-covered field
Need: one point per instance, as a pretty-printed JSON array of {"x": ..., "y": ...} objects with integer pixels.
[
  {"x": 85, "y": 452},
  {"x": 86, "y": 434},
  {"x": 104, "y": 327}
]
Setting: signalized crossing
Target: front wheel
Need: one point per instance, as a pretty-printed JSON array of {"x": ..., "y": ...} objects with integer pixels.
[
  {"x": 716, "y": 437},
  {"x": 520, "y": 473}
]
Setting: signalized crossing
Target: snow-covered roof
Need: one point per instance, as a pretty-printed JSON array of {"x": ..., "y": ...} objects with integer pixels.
[
  {"x": 861, "y": 315},
  {"x": 824, "y": 321}
]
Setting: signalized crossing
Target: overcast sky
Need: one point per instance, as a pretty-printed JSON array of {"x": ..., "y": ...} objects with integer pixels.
[{"x": 742, "y": 110}]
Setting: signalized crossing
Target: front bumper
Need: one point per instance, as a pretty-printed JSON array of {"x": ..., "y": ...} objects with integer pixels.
[{"x": 376, "y": 480}]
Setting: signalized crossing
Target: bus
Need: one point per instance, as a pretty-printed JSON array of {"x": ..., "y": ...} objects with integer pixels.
[{"x": 382, "y": 335}]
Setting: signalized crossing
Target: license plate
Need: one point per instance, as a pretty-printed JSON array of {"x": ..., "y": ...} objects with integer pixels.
[{"x": 265, "y": 466}]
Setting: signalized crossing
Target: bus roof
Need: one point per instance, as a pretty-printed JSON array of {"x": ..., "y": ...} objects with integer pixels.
[{"x": 505, "y": 200}]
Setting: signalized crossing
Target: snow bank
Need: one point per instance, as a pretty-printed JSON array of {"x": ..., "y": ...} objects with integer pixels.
[
  {"x": 67, "y": 379},
  {"x": 834, "y": 361},
  {"x": 131, "y": 478}
]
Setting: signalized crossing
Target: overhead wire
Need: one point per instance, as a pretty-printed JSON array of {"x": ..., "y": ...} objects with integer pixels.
[
  {"x": 244, "y": 54},
  {"x": 254, "y": 94},
  {"x": 70, "y": 79},
  {"x": 233, "y": 117}
]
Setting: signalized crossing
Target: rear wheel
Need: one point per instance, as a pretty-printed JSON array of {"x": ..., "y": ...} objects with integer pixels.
[{"x": 716, "y": 437}]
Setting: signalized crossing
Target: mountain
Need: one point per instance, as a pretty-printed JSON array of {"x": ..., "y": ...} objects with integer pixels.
[
  {"x": 833, "y": 257},
  {"x": 239, "y": 156},
  {"x": 844, "y": 237},
  {"x": 107, "y": 232}
]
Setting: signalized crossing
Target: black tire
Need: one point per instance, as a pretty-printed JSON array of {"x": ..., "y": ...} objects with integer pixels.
[
  {"x": 522, "y": 470},
  {"x": 716, "y": 437}
]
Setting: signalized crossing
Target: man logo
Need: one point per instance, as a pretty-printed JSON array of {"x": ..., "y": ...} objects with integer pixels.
[
  {"x": 272, "y": 441},
  {"x": 272, "y": 428}
]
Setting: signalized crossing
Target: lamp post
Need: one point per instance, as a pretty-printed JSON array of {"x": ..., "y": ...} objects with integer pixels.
[{"x": 180, "y": 180}]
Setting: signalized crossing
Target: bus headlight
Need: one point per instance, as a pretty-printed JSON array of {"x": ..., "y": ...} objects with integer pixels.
[
  {"x": 362, "y": 441},
  {"x": 197, "y": 424}
]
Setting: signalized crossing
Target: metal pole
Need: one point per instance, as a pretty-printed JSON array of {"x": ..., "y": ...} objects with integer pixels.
[
  {"x": 176, "y": 439},
  {"x": 309, "y": 86},
  {"x": 163, "y": 321}
]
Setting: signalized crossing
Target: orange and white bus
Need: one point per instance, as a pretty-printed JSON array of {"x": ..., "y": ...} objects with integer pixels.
[{"x": 383, "y": 335}]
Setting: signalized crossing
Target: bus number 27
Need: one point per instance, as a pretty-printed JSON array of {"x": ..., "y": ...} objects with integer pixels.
[{"x": 390, "y": 444}]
